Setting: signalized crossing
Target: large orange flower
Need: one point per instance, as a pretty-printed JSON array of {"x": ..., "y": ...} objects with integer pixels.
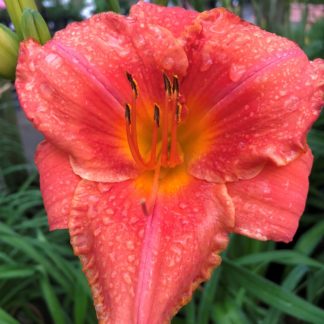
[{"x": 165, "y": 131}]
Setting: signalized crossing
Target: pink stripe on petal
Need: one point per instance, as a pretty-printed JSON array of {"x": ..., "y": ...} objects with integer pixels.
[{"x": 143, "y": 268}]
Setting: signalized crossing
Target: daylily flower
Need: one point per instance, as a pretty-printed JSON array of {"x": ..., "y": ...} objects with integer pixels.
[{"x": 165, "y": 131}]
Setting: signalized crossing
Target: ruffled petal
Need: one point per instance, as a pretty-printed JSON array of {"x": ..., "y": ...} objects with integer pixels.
[
  {"x": 141, "y": 268},
  {"x": 174, "y": 19},
  {"x": 57, "y": 182},
  {"x": 254, "y": 93},
  {"x": 74, "y": 88},
  {"x": 269, "y": 206}
]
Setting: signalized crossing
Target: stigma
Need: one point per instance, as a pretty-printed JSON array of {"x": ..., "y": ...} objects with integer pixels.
[{"x": 165, "y": 150}]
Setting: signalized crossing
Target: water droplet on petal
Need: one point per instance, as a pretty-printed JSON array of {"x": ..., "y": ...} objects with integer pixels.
[
  {"x": 54, "y": 60},
  {"x": 139, "y": 40},
  {"x": 107, "y": 221},
  {"x": 103, "y": 187},
  {"x": 130, "y": 245},
  {"x": 131, "y": 258},
  {"x": 206, "y": 62},
  {"x": 97, "y": 231},
  {"x": 171, "y": 263},
  {"x": 40, "y": 109},
  {"x": 32, "y": 67},
  {"x": 168, "y": 63},
  {"x": 46, "y": 92},
  {"x": 236, "y": 72},
  {"x": 110, "y": 211},
  {"x": 127, "y": 278},
  {"x": 182, "y": 205},
  {"x": 29, "y": 86}
]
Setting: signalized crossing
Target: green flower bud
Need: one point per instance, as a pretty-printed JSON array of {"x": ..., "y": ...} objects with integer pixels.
[
  {"x": 34, "y": 26},
  {"x": 9, "y": 45},
  {"x": 113, "y": 5},
  {"x": 15, "y": 9}
]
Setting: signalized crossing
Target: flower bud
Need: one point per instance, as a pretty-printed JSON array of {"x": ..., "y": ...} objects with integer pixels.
[
  {"x": 9, "y": 45},
  {"x": 34, "y": 26},
  {"x": 15, "y": 9},
  {"x": 113, "y": 5}
]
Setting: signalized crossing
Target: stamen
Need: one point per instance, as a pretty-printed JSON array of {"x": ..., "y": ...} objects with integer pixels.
[
  {"x": 175, "y": 85},
  {"x": 128, "y": 113},
  {"x": 152, "y": 161},
  {"x": 178, "y": 111},
  {"x": 174, "y": 155},
  {"x": 144, "y": 208},
  {"x": 131, "y": 137},
  {"x": 167, "y": 84},
  {"x": 132, "y": 118},
  {"x": 157, "y": 115},
  {"x": 168, "y": 155},
  {"x": 133, "y": 84},
  {"x": 165, "y": 130},
  {"x": 148, "y": 207}
]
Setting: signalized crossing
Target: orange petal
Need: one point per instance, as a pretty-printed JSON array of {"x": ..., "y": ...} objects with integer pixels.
[
  {"x": 269, "y": 206},
  {"x": 255, "y": 94},
  {"x": 74, "y": 88},
  {"x": 57, "y": 182},
  {"x": 174, "y": 19},
  {"x": 142, "y": 269}
]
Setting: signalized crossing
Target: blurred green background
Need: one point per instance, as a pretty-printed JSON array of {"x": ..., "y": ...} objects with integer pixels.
[{"x": 258, "y": 282}]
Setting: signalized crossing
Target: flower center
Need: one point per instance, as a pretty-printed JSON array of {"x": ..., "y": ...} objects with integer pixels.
[{"x": 165, "y": 150}]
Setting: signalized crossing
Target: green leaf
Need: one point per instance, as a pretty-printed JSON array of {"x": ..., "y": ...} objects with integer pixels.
[
  {"x": 290, "y": 283},
  {"x": 272, "y": 294},
  {"x": 81, "y": 303},
  {"x": 190, "y": 311},
  {"x": 52, "y": 302},
  {"x": 282, "y": 257},
  {"x": 310, "y": 239},
  {"x": 207, "y": 298},
  {"x": 316, "y": 141},
  {"x": 15, "y": 271},
  {"x": 228, "y": 312},
  {"x": 5, "y": 318},
  {"x": 24, "y": 245}
]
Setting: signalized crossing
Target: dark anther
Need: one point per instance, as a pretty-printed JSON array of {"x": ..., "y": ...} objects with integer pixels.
[
  {"x": 167, "y": 84},
  {"x": 132, "y": 83},
  {"x": 157, "y": 115},
  {"x": 129, "y": 77},
  {"x": 128, "y": 113},
  {"x": 175, "y": 85},
  {"x": 144, "y": 208}
]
